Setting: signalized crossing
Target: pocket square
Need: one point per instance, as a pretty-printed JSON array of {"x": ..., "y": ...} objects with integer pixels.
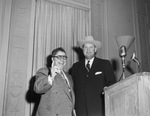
[{"x": 97, "y": 73}]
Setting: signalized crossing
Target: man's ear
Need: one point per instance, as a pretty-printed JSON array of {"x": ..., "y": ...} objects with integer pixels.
[
  {"x": 52, "y": 59},
  {"x": 52, "y": 62},
  {"x": 95, "y": 49}
]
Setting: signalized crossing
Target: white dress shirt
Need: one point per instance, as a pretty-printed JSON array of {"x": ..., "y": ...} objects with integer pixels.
[{"x": 91, "y": 62}]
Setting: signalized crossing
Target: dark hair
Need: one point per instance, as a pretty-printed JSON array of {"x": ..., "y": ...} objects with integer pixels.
[{"x": 54, "y": 52}]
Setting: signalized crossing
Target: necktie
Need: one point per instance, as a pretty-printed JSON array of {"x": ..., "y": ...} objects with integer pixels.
[
  {"x": 88, "y": 66},
  {"x": 66, "y": 81}
]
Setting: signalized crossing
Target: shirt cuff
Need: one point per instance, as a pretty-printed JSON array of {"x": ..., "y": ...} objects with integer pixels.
[{"x": 50, "y": 80}]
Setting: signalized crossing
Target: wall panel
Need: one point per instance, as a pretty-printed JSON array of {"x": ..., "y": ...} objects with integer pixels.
[{"x": 17, "y": 60}]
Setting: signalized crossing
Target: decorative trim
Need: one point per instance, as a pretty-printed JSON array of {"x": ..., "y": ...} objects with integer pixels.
[{"x": 80, "y": 5}]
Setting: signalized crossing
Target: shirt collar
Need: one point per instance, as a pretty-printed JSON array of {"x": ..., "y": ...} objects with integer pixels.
[{"x": 91, "y": 61}]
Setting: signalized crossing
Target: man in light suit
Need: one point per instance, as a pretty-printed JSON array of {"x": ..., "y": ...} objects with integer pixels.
[
  {"x": 56, "y": 88},
  {"x": 90, "y": 76}
]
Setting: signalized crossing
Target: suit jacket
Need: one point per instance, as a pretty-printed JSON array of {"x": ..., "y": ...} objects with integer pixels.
[
  {"x": 89, "y": 86},
  {"x": 56, "y": 99}
]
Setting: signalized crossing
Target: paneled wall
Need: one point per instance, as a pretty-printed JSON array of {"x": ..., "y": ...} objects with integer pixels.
[
  {"x": 16, "y": 22},
  {"x": 5, "y": 11},
  {"x": 110, "y": 19},
  {"x": 113, "y": 18},
  {"x": 143, "y": 16},
  {"x": 98, "y": 20}
]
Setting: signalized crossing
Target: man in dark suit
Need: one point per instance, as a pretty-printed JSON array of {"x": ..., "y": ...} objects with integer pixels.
[
  {"x": 90, "y": 76},
  {"x": 56, "y": 88}
]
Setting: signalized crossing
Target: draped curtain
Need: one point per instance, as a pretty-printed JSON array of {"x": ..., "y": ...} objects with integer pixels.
[{"x": 58, "y": 25}]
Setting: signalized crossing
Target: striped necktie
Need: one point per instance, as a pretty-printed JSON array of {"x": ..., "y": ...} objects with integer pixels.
[{"x": 88, "y": 66}]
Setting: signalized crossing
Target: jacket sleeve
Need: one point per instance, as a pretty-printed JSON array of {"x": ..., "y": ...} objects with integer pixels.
[
  {"x": 41, "y": 84},
  {"x": 110, "y": 76},
  {"x": 73, "y": 72}
]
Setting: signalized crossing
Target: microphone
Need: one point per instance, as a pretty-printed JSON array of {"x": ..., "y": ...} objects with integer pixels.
[
  {"x": 134, "y": 58},
  {"x": 122, "y": 51}
]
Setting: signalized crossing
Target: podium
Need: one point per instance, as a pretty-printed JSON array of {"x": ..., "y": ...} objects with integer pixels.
[{"x": 129, "y": 97}]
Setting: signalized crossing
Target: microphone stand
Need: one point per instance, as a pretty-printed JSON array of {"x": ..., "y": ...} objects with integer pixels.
[
  {"x": 139, "y": 65},
  {"x": 134, "y": 58},
  {"x": 123, "y": 67},
  {"x": 122, "y": 53}
]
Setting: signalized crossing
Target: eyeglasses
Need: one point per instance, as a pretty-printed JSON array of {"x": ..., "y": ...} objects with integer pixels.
[{"x": 61, "y": 57}]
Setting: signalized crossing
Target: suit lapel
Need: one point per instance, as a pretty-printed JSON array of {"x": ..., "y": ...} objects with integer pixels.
[
  {"x": 94, "y": 65},
  {"x": 83, "y": 68},
  {"x": 70, "y": 92},
  {"x": 63, "y": 85}
]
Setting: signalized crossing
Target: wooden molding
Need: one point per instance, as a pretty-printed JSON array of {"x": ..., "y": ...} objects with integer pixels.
[{"x": 81, "y": 4}]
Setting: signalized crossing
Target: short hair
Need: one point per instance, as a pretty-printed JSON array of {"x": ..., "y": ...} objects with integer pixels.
[{"x": 55, "y": 51}]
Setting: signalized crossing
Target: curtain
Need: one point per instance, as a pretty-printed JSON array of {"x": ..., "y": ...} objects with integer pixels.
[{"x": 58, "y": 25}]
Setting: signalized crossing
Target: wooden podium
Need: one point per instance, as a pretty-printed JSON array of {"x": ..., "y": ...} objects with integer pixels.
[{"x": 129, "y": 97}]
